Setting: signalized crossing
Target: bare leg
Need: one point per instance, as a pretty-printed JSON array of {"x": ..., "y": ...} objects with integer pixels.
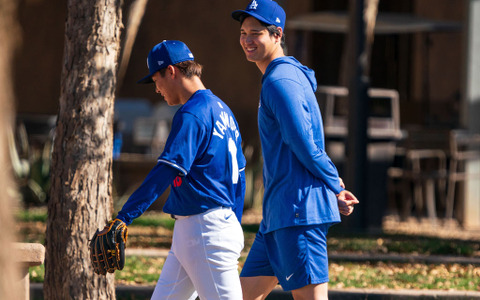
[
  {"x": 258, "y": 287},
  {"x": 311, "y": 292}
]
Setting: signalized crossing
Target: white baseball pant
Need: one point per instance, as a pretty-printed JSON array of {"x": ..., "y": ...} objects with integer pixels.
[{"x": 203, "y": 258}]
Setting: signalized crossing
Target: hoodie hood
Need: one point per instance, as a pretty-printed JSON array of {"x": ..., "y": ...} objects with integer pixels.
[{"x": 309, "y": 73}]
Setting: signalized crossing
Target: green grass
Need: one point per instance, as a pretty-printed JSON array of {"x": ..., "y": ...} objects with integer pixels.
[
  {"x": 155, "y": 220},
  {"x": 137, "y": 270},
  {"x": 140, "y": 270},
  {"x": 337, "y": 242},
  {"x": 37, "y": 273},
  {"x": 405, "y": 276},
  {"x": 400, "y": 244},
  {"x": 145, "y": 271},
  {"x": 154, "y": 230},
  {"x": 31, "y": 215},
  {"x": 146, "y": 220}
]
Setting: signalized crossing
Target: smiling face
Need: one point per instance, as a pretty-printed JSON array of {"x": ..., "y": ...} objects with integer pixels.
[{"x": 257, "y": 43}]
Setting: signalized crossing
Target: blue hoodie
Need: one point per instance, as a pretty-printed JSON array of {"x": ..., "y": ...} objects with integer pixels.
[{"x": 300, "y": 180}]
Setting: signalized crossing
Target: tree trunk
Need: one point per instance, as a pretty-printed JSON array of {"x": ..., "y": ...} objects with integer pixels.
[
  {"x": 81, "y": 198},
  {"x": 9, "y": 275}
]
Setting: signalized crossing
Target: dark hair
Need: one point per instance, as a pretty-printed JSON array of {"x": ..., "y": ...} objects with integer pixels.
[
  {"x": 188, "y": 68},
  {"x": 272, "y": 30}
]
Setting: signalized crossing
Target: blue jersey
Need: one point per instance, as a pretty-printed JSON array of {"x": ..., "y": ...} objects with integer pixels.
[
  {"x": 202, "y": 160},
  {"x": 300, "y": 180},
  {"x": 205, "y": 147}
]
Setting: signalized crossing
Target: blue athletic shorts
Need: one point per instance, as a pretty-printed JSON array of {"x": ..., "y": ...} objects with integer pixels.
[{"x": 297, "y": 256}]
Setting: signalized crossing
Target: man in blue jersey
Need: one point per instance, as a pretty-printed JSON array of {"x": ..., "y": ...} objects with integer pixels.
[
  {"x": 204, "y": 164},
  {"x": 304, "y": 195}
]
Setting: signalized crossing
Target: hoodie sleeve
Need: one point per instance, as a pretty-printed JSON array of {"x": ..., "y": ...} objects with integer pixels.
[{"x": 293, "y": 113}]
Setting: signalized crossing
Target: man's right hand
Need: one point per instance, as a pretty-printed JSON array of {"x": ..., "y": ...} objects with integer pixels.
[{"x": 346, "y": 200}]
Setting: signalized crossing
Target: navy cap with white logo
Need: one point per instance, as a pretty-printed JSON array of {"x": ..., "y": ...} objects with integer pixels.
[
  {"x": 267, "y": 11},
  {"x": 164, "y": 54}
]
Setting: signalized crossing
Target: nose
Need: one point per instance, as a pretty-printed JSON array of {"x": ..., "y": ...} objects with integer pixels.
[
  {"x": 245, "y": 39},
  {"x": 157, "y": 90}
]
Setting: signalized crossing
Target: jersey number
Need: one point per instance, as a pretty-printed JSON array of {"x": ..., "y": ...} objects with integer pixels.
[{"x": 232, "y": 148}]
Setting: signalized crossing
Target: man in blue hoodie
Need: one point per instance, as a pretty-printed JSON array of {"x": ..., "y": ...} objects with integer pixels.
[{"x": 304, "y": 195}]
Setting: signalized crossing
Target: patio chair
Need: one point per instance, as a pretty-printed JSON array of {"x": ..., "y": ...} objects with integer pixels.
[
  {"x": 464, "y": 146},
  {"x": 422, "y": 172}
]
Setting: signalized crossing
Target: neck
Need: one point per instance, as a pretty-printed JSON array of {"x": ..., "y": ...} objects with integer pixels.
[
  {"x": 189, "y": 87},
  {"x": 262, "y": 65}
]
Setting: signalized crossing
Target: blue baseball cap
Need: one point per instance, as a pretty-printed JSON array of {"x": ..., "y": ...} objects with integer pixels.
[
  {"x": 164, "y": 54},
  {"x": 267, "y": 11}
]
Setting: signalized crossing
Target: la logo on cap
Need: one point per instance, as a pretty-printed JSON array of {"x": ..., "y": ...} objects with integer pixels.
[{"x": 253, "y": 5}]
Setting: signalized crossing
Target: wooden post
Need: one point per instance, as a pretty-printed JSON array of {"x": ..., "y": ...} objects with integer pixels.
[
  {"x": 28, "y": 255},
  {"x": 471, "y": 110},
  {"x": 356, "y": 148}
]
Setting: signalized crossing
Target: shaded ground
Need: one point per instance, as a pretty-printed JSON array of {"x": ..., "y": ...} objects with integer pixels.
[{"x": 446, "y": 229}]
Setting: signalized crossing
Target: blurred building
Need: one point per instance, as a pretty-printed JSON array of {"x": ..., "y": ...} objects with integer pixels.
[{"x": 426, "y": 66}]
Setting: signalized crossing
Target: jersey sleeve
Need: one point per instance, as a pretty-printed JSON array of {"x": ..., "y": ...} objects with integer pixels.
[
  {"x": 152, "y": 187},
  {"x": 185, "y": 141},
  {"x": 294, "y": 116}
]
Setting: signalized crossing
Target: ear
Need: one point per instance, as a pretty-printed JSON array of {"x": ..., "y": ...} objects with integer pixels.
[
  {"x": 171, "y": 71},
  {"x": 279, "y": 35}
]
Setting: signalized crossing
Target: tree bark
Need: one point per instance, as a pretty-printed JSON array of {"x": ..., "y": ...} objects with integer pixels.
[
  {"x": 9, "y": 275},
  {"x": 81, "y": 192}
]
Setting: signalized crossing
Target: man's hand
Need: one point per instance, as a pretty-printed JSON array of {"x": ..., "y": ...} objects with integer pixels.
[{"x": 346, "y": 200}]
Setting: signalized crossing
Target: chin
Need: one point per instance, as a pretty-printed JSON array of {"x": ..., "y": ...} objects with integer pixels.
[{"x": 250, "y": 58}]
